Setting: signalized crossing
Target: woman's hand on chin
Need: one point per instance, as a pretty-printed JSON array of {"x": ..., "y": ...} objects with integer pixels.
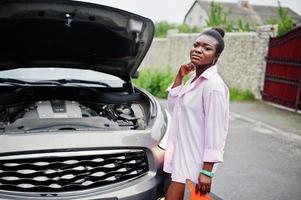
[{"x": 186, "y": 69}]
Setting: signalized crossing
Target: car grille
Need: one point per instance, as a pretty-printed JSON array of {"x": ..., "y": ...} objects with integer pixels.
[{"x": 70, "y": 171}]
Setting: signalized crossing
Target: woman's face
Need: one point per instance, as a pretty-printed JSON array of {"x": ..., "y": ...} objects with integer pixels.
[{"x": 203, "y": 51}]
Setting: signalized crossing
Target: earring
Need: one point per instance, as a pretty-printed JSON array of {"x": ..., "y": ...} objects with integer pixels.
[{"x": 214, "y": 60}]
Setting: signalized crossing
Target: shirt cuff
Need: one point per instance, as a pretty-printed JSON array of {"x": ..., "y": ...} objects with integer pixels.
[
  {"x": 175, "y": 90},
  {"x": 213, "y": 155}
]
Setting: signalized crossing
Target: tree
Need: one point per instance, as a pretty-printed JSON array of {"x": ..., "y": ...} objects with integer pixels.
[
  {"x": 217, "y": 17},
  {"x": 286, "y": 22}
]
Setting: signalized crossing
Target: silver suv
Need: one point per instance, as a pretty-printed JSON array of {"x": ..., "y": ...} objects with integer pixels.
[{"x": 72, "y": 124}]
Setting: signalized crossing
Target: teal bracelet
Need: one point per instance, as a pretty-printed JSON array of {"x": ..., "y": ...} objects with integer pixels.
[{"x": 207, "y": 173}]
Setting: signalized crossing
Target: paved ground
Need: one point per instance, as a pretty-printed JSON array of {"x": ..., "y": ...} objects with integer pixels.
[
  {"x": 269, "y": 114},
  {"x": 262, "y": 154}
]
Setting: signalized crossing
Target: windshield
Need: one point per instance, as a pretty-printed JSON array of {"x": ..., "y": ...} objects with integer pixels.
[{"x": 41, "y": 74}]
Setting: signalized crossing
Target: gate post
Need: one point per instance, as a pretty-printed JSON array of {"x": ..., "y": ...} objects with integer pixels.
[{"x": 298, "y": 95}]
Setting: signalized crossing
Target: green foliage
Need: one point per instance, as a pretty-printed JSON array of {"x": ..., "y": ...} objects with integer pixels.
[
  {"x": 229, "y": 27},
  {"x": 243, "y": 27},
  {"x": 237, "y": 94},
  {"x": 217, "y": 17},
  {"x": 155, "y": 81},
  {"x": 272, "y": 20},
  {"x": 240, "y": 24},
  {"x": 286, "y": 22},
  {"x": 184, "y": 28},
  {"x": 162, "y": 27},
  {"x": 247, "y": 27}
]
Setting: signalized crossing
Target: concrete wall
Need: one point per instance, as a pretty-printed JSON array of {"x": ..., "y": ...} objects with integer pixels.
[{"x": 241, "y": 65}]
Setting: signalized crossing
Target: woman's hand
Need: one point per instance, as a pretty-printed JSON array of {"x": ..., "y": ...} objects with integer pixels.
[
  {"x": 204, "y": 184},
  {"x": 185, "y": 69}
]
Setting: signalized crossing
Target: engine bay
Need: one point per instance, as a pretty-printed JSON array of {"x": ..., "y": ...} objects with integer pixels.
[
  {"x": 48, "y": 115},
  {"x": 59, "y": 115}
]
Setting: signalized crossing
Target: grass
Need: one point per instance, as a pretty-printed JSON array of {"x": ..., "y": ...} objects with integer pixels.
[{"x": 237, "y": 94}]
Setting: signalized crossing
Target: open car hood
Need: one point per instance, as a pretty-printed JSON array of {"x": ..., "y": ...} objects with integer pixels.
[{"x": 61, "y": 33}]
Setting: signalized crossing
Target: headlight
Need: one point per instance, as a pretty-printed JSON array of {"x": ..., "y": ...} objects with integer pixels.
[{"x": 163, "y": 141}]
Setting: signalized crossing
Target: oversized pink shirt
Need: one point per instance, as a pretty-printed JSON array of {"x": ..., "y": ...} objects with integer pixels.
[{"x": 199, "y": 125}]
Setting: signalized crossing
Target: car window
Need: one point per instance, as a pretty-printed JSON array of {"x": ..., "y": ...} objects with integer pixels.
[{"x": 38, "y": 74}]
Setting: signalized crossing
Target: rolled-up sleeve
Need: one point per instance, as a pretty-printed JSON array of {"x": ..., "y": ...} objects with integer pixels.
[
  {"x": 216, "y": 108},
  {"x": 172, "y": 96}
]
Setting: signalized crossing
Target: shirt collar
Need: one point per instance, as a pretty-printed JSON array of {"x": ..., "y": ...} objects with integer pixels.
[{"x": 208, "y": 73}]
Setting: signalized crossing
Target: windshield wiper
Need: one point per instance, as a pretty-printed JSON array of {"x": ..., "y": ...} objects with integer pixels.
[
  {"x": 11, "y": 80},
  {"x": 59, "y": 82},
  {"x": 17, "y": 82},
  {"x": 67, "y": 81}
]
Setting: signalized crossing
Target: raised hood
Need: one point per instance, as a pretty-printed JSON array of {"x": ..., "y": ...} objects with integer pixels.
[{"x": 61, "y": 33}]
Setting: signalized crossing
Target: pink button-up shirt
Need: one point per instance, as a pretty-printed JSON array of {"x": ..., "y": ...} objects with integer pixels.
[{"x": 199, "y": 125}]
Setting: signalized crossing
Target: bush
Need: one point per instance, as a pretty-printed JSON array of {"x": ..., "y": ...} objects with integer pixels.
[
  {"x": 237, "y": 94},
  {"x": 155, "y": 81},
  {"x": 243, "y": 27},
  {"x": 162, "y": 27},
  {"x": 184, "y": 28}
]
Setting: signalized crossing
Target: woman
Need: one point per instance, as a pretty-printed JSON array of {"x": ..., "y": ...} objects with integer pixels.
[{"x": 200, "y": 112}]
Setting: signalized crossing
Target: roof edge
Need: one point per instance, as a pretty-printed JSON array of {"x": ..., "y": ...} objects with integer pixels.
[{"x": 189, "y": 10}]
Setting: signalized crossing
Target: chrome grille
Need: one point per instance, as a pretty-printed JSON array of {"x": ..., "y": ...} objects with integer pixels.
[{"x": 70, "y": 171}]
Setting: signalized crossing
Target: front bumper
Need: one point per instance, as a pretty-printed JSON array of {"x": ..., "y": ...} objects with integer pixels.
[{"x": 149, "y": 187}]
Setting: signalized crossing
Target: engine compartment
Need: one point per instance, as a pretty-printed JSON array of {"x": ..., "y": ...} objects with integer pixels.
[{"x": 122, "y": 112}]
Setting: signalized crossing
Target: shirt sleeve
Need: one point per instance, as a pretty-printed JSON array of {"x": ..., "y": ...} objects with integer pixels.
[
  {"x": 172, "y": 96},
  {"x": 216, "y": 107}
]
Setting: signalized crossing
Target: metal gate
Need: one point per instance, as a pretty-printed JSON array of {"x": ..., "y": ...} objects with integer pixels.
[{"x": 282, "y": 82}]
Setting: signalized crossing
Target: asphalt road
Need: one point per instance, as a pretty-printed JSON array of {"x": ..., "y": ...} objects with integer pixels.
[
  {"x": 261, "y": 161},
  {"x": 259, "y": 164}
]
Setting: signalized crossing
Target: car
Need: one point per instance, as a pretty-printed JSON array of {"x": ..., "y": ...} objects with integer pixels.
[{"x": 73, "y": 125}]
